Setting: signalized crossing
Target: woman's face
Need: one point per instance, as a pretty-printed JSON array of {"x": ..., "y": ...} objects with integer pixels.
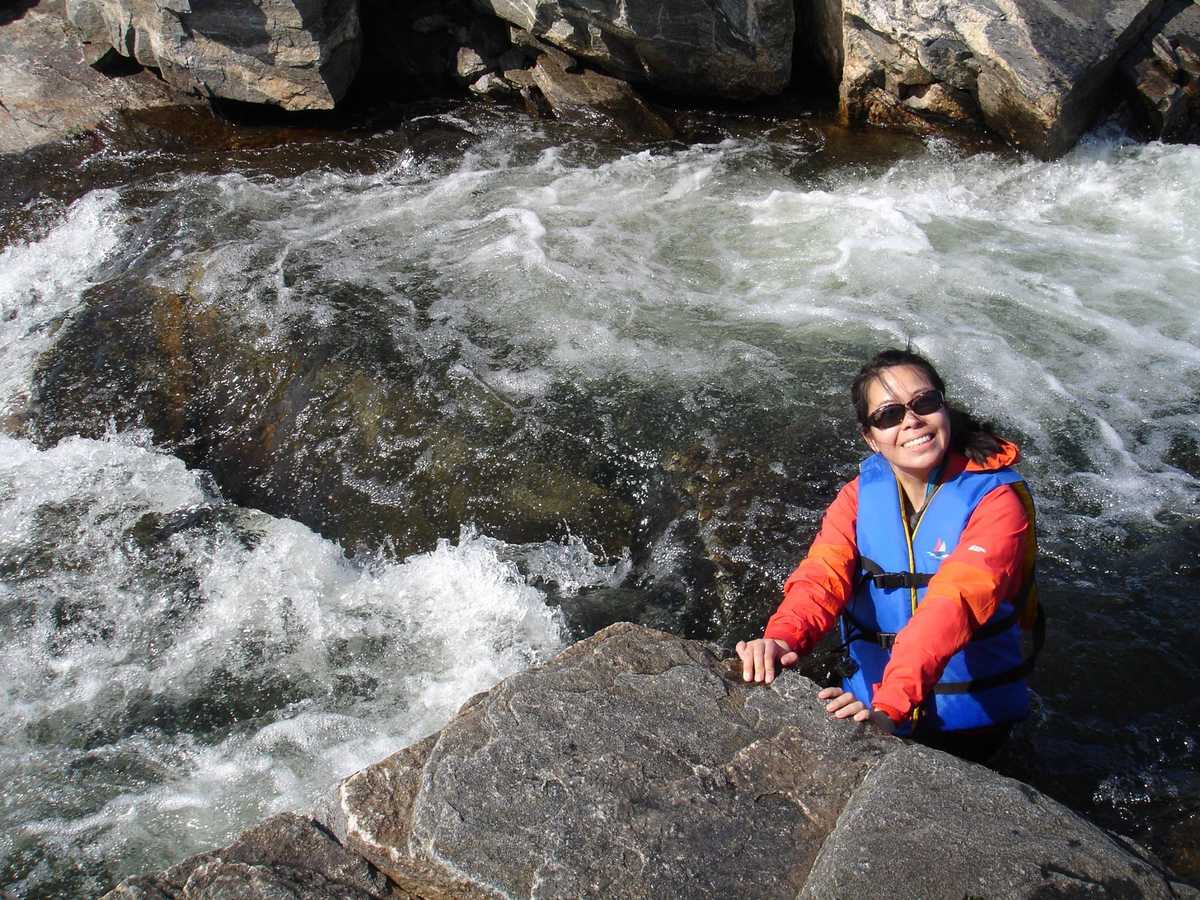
[{"x": 915, "y": 446}]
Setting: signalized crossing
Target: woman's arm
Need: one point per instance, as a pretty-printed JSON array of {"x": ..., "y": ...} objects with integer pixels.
[{"x": 984, "y": 569}]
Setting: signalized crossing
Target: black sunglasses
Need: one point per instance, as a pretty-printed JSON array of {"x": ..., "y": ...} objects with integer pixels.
[{"x": 924, "y": 404}]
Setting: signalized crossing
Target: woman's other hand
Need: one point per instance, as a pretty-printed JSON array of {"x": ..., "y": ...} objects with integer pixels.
[
  {"x": 844, "y": 705},
  {"x": 762, "y": 659}
]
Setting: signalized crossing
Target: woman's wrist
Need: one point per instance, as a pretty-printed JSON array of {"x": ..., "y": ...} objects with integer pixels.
[{"x": 890, "y": 711}]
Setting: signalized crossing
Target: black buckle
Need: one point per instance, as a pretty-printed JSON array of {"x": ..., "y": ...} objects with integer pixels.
[
  {"x": 890, "y": 580},
  {"x": 887, "y": 639}
]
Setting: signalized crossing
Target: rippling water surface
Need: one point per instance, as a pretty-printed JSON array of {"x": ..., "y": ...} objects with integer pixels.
[{"x": 298, "y": 444}]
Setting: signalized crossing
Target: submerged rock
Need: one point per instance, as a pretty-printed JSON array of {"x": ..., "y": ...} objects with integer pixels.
[
  {"x": 726, "y": 48},
  {"x": 1033, "y": 71},
  {"x": 278, "y": 52},
  {"x": 332, "y": 424},
  {"x": 746, "y": 517},
  {"x": 637, "y": 764}
]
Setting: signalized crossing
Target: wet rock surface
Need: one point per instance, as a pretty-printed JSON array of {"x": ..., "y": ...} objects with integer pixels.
[
  {"x": 286, "y": 856},
  {"x": 637, "y": 764},
  {"x": 746, "y": 513},
  {"x": 47, "y": 92},
  {"x": 328, "y": 423},
  {"x": 1034, "y": 72},
  {"x": 598, "y": 98}
]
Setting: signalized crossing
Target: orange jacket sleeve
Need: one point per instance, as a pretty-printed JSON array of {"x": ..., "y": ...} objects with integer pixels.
[
  {"x": 815, "y": 593},
  {"x": 984, "y": 569}
]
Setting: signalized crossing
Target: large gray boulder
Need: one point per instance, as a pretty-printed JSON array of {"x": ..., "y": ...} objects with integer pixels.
[
  {"x": 296, "y": 54},
  {"x": 46, "y": 90},
  {"x": 1033, "y": 71},
  {"x": 729, "y": 48},
  {"x": 637, "y": 764}
]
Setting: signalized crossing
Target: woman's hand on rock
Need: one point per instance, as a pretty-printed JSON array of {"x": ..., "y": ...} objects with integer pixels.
[
  {"x": 762, "y": 658},
  {"x": 844, "y": 705}
]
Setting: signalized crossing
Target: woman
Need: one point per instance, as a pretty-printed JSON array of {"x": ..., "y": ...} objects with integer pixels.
[{"x": 927, "y": 557}]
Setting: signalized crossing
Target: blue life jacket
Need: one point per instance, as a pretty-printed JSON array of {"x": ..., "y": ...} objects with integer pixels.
[{"x": 983, "y": 684}]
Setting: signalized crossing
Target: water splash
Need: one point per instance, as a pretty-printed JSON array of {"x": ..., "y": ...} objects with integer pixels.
[
  {"x": 198, "y": 666},
  {"x": 42, "y": 281}
]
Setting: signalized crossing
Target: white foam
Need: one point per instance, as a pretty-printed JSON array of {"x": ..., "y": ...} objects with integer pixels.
[
  {"x": 44, "y": 280},
  {"x": 374, "y": 655}
]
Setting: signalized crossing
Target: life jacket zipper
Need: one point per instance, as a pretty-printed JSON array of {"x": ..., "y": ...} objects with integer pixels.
[{"x": 909, "y": 537}]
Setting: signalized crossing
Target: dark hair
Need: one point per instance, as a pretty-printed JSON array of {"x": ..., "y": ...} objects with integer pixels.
[{"x": 974, "y": 439}]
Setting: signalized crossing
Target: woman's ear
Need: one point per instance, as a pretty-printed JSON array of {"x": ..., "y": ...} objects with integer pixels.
[{"x": 866, "y": 436}]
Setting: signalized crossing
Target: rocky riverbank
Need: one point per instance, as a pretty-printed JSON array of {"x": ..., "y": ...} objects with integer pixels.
[
  {"x": 1032, "y": 72},
  {"x": 47, "y": 92},
  {"x": 637, "y": 764}
]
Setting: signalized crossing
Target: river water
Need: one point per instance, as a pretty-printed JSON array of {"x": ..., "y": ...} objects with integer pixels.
[{"x": 305, "y": 444}]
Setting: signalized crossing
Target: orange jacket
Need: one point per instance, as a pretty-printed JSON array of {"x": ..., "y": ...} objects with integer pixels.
[{"x": 962, "y": 595}]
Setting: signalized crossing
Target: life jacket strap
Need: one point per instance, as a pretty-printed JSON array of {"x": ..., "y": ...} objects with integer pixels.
[
  {"x": 857, "y": 631},
  {"x": 872, "y": 571},
  {"x": 1015, "y": 673}
]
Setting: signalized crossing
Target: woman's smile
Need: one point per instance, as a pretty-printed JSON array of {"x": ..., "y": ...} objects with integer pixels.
[{"x": 915, "y": 446}]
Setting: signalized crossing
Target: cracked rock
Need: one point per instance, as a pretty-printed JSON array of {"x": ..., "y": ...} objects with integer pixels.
[
  {"x": 295, "y": 55},
  {"x": 285, "y": 856},
  {"x": 730, "y": 48},
  {"x": 638, "y": 764},
  {"x": 1034, "y": 72},
  {"x": 59, "y": 95},
  {"x": 1164, "y": 72}
]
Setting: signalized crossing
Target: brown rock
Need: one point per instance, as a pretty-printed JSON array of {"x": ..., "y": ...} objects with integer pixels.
[
  {"x": 1032, "y": 71},
  {"x": 491, "y": 85},
  {"x": 470, "y": 65},
  {"x": 293, "y": 55},
  {"x": 1164, "y": 72},
  {"x": 287, "y": 855},
  {"x": 48, "y": 92},
  {"x": 520, "y": 79},
  {"x": 371, "y": 813},
  {"x": 535, "y": 47},
  {"x": 591, "y": 97}
]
